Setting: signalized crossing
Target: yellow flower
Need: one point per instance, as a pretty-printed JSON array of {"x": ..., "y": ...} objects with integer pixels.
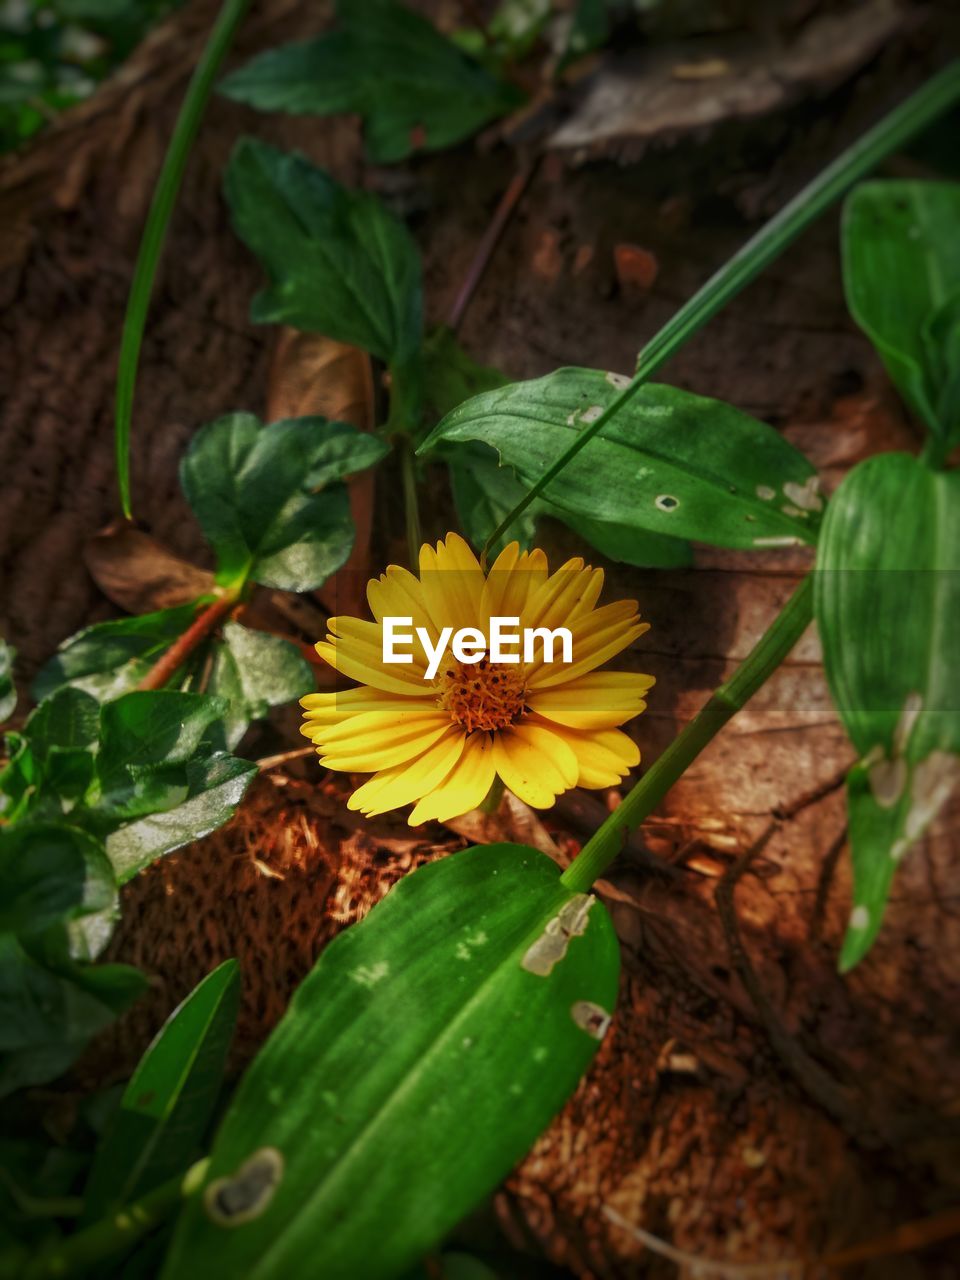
[{"x": 438, "y": 743}]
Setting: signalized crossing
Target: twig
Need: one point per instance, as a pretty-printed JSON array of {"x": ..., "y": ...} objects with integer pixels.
[
  {"x": 488, "y": 242},
  {"x": 704, "y": 1267},
  {"x": 274, "y": 762},
  {"x": 170, "y": 662}
]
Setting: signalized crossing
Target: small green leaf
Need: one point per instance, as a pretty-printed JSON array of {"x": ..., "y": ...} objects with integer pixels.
[
  {"x": 516, "y": 25},
  {"x": 253, "y": 671},
  {"x": 111, "y": 658},
  {"x": 415, "y": 90},
  {"x": 46, "y": 1018},
  {"x": 50, "y": 872},
  {"x": 212, "y": 790},
  {"x": 8, "y": 690},
  {"x": 252, "y": 489},
  {"x": 450, "y": 375},
  {"x": 484, "y": 492},
  {"x": 901, "y": 268},
  {"x": 420, "y": 1059},
  {"x": 68, "y": 721},
  {"x": 169, "y": 1100},
  {"x": 671, "y": 462},
  {"x": 339, "y": 263},
  {"x": 888, "y": 610}
]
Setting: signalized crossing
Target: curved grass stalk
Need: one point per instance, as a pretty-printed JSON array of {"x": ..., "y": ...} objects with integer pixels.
[{"x": 155, "y": 231}]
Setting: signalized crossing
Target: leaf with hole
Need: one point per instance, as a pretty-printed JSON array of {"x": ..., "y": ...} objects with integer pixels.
[
  {"x": 166, "y": 1107},
  {"x": 339, "y": 263},
  {"x": 901, "y": 271},
  {"x": 414, "y": 88},
  {"x": 888, "y": 612},
  {"x": 446, "y": 1028},
  {"x": 670, "y": 462},
  {"x": 253, "y": 489}
]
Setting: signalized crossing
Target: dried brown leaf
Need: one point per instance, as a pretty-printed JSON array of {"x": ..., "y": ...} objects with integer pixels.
[
  {"x": 140, "y": 574},
  {"x": 512, "y": 821},
  {"x": 311, "y": 374}
]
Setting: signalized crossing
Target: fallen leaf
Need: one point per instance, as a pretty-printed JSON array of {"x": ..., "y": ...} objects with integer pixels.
[
  {"x": 310, "y": 374},
  {"x": 138, "y": 573},
  {"x": 636, "y": 268}
]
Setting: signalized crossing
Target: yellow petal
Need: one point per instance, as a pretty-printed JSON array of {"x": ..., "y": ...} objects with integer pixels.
[
  {"x": 464, "y": 787},
  {"x": 528, "y": 770},
  {"x": 568, "y": 594},
  {"x": 604, "y": 755},
  {"x": 331, "y": 708},
  {"x": 379, "y": 739},
  {"x": 452, "y": 583},
  {"x": 368, "y": 672},
  {"x": 596, "y": 638},
  {"x": 404, "y": 783},
  {"x": 398, "y": 594},
  {"x": 598, "y": 700}
]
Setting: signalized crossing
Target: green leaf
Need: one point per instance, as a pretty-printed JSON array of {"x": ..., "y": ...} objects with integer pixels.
[
  {"x": 627, "y": 543},
  {"x": 415, "y": 90},
  {"x": 450, "y": 375},
  {"x": 46, "y": 1019},
  {"x": 170, "y": 1098},
  {"x": 50, "y": 872},
  {"x": 253, "y": 671},
  {"x": 418, "y": 1061},
  {"x": 111, "y": 658},
  {"x": 901, "y": 267},
  {"x": 213, "y": 789},
  {"x": 483, "y": 493},
  {"x": 69, "y": 721},
  {"x": 252, "y": 489},
  {"x": 516, "y": 25},
  {"x": 8, "y": 690},
  {"x": 339, "y": 263},
  {"x": 670, "y": 462},
  {"x": 888, "y": 609}
]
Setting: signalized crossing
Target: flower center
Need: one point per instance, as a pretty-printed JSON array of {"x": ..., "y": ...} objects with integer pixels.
[{"x": 481, "y": 695}]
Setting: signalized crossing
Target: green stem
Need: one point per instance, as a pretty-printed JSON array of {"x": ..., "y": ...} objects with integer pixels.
[
  {"x": 411, "y": 506},
  {"x": 920, "y": 110},
  {"x": 113, "y": 1236},
  {"x": 773, "y": 646},
  {"x": 154, "y": 233}
]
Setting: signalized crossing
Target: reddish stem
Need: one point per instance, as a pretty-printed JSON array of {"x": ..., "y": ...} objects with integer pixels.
[
  {"x": 481, "y": 259},
  {"x": 170, "y": 662}
]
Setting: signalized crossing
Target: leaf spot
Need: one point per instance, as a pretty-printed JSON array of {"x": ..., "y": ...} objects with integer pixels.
[
  {"x": 859, "y": 918},
  {"x": 591, "y": 414},
  {"x": 805, "y": 496},
  {"x": 368, "y": 975},
  {"x": 551, "y": 946},
  {"x": 909, "y": 714},
  {"x": 933, "y": 780},
  {"x": 618, "y": 380},
  {"x": 766, "y": 493},
  {"x": 887, "y": 780},
  {"x": 590, "y": 1018},
  {"x": 244, "y": 1195},
  {"x": 785, "y": 541},
  {"x": 666, "y": 502}
]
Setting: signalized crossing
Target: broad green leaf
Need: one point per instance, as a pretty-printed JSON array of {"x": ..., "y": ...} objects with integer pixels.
[
  {"x": 339, "y": 263},
  {"x": 516, "y": 25},
  {"x": 888, "y": 609},
  {"x": 69, "y": 721},
  {"x": 415, "y": 90},
  {"x": 169, "y": 1100},
  {"x": 426, "y": 1051},
  {"x": 46, "y": 1018},
  {"x": 50, "y": 872},
  {"x": 253, "y": 671},
  {"x": 111, "y": 658},
  {"x": 214, "y": 787},
  {"x": 901, "y": 268},
  {"x": 484, "y": 491},
  {"x": 8, "y": 691},
  {"x": 671, "y": 462},
  {"x": 252, "y": 489}
]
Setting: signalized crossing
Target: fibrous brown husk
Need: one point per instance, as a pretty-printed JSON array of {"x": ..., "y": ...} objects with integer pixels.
[{"x": 748, "y": 1103}]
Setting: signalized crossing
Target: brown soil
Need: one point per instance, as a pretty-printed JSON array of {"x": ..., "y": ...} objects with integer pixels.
[{"x": 749, "y": 1103}]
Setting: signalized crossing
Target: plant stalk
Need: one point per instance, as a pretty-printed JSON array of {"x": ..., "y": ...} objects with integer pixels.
[
  {"x": 114, "y": 1236},
  {"x": 169, "y": 663},
  {"x": 921, "y": 109},
  {"x": 411, "y": 505},
  {"x": 155, "y": 231},
  {"x": 771, "y": 649}
]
